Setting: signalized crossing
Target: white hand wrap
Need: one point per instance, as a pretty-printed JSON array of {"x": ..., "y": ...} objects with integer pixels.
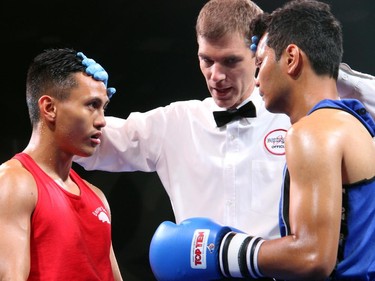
[{"x": 238, "y": 255}]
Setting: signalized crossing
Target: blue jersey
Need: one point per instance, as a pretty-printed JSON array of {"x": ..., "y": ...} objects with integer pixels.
[{"x": 356, "y": 255}]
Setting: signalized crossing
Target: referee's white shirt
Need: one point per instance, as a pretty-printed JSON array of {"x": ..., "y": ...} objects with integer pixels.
[{"x": 231, "y": 174}]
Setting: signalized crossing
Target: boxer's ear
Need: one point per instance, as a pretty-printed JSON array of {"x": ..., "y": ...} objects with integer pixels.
[
  {"x": 47, "y": 108},
  {"x": 294, "y": 60}
]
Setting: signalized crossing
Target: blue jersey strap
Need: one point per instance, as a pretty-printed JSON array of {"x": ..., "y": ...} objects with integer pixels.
[{"x": 352, "y": 106}]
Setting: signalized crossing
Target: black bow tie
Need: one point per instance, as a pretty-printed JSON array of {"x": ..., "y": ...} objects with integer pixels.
[{"x": 224, "y": 117}]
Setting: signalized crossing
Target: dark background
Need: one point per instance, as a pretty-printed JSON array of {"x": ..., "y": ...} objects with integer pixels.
[{"x": 149, "y": 49}]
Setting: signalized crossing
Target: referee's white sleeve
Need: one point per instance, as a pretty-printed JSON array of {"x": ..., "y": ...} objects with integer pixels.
[{"x": 357, "y": 85}]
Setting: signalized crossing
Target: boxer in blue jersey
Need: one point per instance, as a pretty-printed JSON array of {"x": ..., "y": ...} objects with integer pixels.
[
  {"x": 355, "y": 259},
  {"x": 327, "y": 214}
]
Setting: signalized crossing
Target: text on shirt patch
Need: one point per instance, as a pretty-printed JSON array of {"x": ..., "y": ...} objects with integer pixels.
[{"x": 274, "y": 141}]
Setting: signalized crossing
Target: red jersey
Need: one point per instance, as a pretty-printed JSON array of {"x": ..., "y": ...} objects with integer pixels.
[{"x": 70, "y": 234}]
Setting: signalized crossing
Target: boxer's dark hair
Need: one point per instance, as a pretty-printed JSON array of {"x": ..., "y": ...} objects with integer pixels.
[
  {"x": 51, "y": 72},
  {"x": 311, "y": 26}
]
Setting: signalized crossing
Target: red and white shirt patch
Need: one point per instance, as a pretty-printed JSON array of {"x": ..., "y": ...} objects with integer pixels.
[{"x": 274, "y": 142}]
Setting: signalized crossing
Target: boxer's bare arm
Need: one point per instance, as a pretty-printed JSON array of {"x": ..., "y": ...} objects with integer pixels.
[{"x": 18, "y": 195}]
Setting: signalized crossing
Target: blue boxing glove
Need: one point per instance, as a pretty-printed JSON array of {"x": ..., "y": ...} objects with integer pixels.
[
  {"x": 199, "y": 249},
  {"x": 187, "y": 251},
  {"x": 95, "y": 70}
]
